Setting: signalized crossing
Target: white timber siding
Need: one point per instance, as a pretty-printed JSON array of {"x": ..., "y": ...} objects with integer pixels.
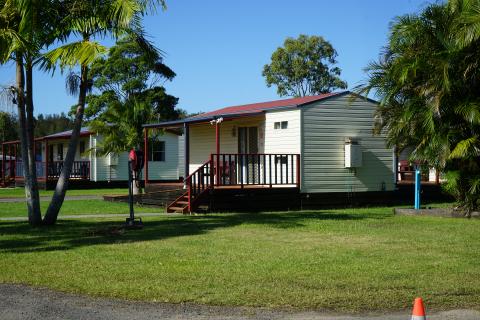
[
  {"x": 168, "y": 169},
  {"x": 102, "y": 171},
  {"x": 325, "y": 126},
  {"x": 283, "y": 141},
  {"x": 202, "y": 139}
]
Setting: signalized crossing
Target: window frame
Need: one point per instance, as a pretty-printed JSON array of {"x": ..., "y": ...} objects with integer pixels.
[
  {"x": 280, "y": 125},
  {"x": 161, "y": 153}
]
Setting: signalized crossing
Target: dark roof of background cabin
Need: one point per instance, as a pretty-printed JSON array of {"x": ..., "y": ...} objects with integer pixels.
[{"x": 68, "y": 133}]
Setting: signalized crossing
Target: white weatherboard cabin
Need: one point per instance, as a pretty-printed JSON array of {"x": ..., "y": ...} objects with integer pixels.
[
  {"x": 274, "y": 154},
  {"x": 90, "y": 168}
]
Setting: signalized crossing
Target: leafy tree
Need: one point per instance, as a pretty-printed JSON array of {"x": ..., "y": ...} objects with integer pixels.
[
  {"x": 304, "y": 66},
  {"x": 129, "y": 95},
  {"x": 52, "y": 123},
  {"x": 429, "y": 91},
  {"x": 8, "y": 125}
]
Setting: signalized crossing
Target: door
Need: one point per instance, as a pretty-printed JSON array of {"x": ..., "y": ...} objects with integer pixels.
[{"x": 248, "y": 145}]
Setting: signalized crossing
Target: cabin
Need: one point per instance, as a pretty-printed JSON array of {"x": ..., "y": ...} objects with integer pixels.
[
  {"x": 89, "y": 168},
  {"x": 281, "y": 154}
]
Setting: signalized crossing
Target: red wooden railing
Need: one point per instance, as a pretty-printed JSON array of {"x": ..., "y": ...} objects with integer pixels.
[
  {"x": 80, "y": 169},
  {"x": 241, "y": 169},
  {"x": 200, "y": 181},
  {"x": 266, "y": 169}
]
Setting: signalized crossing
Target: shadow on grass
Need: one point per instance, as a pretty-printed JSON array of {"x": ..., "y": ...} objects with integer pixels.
[{"x": 19, "y": 237}]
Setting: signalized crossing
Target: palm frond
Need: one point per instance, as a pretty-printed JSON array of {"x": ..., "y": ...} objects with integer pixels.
[{"x": 76, "y": 53}]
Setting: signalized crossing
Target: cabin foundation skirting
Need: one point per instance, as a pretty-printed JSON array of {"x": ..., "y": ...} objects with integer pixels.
[
  {"x": 279, "y": 199},
  {"x": 403, "y": 195}
]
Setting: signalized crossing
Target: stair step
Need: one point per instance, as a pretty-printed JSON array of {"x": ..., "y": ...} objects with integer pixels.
[
  {"x": 182, "y": 202},
  {"x": 176, "y": 208}
]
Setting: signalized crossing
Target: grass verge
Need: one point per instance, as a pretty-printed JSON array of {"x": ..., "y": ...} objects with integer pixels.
[
  {"x": 352, "y": 260},
  {"x": 20, "y": 192},
  {"x": 75, "y": 207}
]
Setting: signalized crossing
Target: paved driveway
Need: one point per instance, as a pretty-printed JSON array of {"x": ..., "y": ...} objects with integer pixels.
[{"x": 23, "y": 302}]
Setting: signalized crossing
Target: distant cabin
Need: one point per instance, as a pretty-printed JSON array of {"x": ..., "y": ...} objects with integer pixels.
[{"x": 90, "y": 168}]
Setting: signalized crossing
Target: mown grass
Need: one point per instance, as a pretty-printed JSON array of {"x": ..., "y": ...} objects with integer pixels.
[
  {"x": 353, "y": 260},
  {"x": 75, "y": 207},
  {"x": 20, "y": 192}
]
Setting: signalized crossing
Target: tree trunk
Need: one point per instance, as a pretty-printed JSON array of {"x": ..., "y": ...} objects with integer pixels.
[
  {"x": 30, "y": 126},
  {"x": 62, "y": 183},
  {"x": 34, "y": 216}
]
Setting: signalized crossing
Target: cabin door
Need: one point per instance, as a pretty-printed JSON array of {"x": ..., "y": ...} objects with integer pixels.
[{"x": 248, "y": 146}]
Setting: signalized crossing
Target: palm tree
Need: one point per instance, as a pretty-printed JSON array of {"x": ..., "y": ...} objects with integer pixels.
[
  {"x": 428, "y": 89},
  {"x": 89, "y": 20},
  {"x": 26, "y": 27}
]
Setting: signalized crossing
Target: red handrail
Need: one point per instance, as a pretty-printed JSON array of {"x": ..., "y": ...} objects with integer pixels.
[{"x": 196, "y": 185}]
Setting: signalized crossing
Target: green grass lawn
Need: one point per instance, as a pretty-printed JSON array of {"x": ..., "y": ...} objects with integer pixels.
[
  {"x": 352, "y": 260},
  {"x": 74, "y": 207},
  {"x": 20, "y": 192}
]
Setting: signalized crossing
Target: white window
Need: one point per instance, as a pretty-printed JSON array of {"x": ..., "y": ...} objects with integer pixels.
[{"x": 280, "y": 125}]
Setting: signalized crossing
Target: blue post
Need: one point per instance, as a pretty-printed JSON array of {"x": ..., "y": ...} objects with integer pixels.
[{"x": 417, "y": 188}]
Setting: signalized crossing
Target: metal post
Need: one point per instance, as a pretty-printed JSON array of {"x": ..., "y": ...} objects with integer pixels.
[
  {"x": 417, "y": 188},
  {"x": 130, "y": 191},
  {"x": 217, "y": 139},
  {"x": 186, "y": 150}
]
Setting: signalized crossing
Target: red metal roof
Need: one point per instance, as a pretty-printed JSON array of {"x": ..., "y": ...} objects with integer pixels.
[{"x": 269, "y": 105}]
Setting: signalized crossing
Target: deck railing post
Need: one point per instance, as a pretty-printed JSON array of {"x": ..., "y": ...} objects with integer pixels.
[
  {"x": 212, "y": 177},
  {"x": 298, "y": 170},
  {"x": 189, "y": 188}
]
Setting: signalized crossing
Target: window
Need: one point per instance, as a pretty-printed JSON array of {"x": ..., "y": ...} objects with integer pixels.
[
  {"x": 82, "y": 147},
  {"x": 60, "y": 151},
  {"x": 280, "y": 125},
  {"x": 156, "y": 151}
]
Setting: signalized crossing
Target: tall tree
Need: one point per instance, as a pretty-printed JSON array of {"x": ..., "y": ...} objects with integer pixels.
[
  {"x": 25, "y": 27},
  {"x": 429, "y": 91},
  {"x": 304, "y": 66},
  {"x": 128, "y": 94},
  {"x": 89, "y": 20}
]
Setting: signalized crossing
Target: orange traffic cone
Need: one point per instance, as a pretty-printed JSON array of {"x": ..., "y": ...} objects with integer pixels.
[{"x": 418, "y": 312}]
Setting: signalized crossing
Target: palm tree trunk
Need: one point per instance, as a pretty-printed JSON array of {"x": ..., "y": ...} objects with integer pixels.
[
  {"x": 34, "y": 216},
  {"x": 32, "y": 170},
  {"x": 62, "y": 183}
]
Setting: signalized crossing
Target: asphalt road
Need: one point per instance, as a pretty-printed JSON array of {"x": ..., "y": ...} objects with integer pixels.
[{"x": 25, "y": 303}]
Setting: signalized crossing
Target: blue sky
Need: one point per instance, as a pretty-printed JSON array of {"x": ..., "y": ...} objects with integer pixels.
[{"x": 218, "y": 48}]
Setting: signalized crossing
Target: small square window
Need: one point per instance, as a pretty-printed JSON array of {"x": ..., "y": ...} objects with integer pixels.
[{"x": 280, "y": 125}]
